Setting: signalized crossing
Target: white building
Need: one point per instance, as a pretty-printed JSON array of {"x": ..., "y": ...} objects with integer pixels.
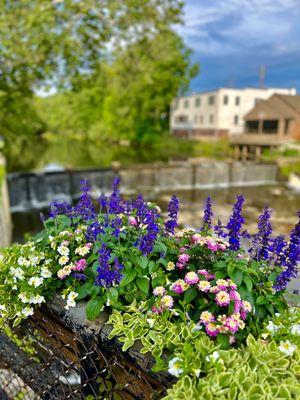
[{"x": 217, "y": 113}]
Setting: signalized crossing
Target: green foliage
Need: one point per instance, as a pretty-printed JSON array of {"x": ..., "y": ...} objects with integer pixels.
[
  {"x": 257, "y": 370},
  {"x": 107, "y": 91}
]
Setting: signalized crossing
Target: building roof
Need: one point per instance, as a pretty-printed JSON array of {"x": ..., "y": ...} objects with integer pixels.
[
  {"x": 278, "y": 105},
  {"x": 236, "y": 89}
]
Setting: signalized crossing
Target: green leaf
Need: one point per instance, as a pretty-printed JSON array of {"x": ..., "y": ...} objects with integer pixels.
[
  {"x": 190, "y": 295},
  {"x": 261, "y": 300},
  {"x": 113, "y": 294},
  {"x": 84, "y": 290},
  {"x": 237, "y": 277},
  {"x": 143, "y": 284},
  {"x": 94, "y": 307},
  {"x": 128, "y": 277},
  {"x": 223, "y": 340},
  {"x": 248, "y": 283},
  {"x": 143, "y": 262}
]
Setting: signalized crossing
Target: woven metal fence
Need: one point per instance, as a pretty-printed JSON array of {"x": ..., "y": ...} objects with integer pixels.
[{"x": 48, "y": 358}]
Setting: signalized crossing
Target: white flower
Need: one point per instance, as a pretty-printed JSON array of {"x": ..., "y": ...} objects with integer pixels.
[
  {"x": 63, "y": 250},
  {"x": 34, "y": 260},
  {"x": 63, "y": 260},
  {"x": 2, "y": 307},
  {"x": 82, "y": 250},
  {"x": 295, "y": 329},
  {"x": 64, "y": 233},
  {"x": 213, "y": 357},
  {"x": 151, "y": 322},
  {"x": 17, "y": 273},
  {"x": 45, "y": 272},
  {"x": 35, "y": 281},
  {"x": 197, "y": 372},
  {"x": 27, "y": 311},
  {"x": 174, "y": 367},
  {"x": 23, "y": 297},
  {"x": 38, "y": 299},
  {"x": 272, "y": 328},
  {"x": 21, "y": 261},
  {"x": 287, "y": 348},
  {"x": 71, "y": 300}
]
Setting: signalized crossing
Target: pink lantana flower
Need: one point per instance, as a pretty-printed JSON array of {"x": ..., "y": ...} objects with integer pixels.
[
  {"x": 132, "y": 221},
  {"x": 80, "y": 265},
  {"x": 211, "y": 329},
  {"x": 167, "y": 301},
  {"x": 183, "y": 258},
  {"x": 204, "y": 286},
  {"x": 206, "y": 317},
  {"x": 222, "y": 298},
  {"x": 159, "y": 291},
  {"x": 179, "y": 286},
  {"x": 191, "y": 278}
]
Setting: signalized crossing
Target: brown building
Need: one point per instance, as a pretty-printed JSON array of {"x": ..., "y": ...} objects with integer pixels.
[{"x": 270, "y": 123}]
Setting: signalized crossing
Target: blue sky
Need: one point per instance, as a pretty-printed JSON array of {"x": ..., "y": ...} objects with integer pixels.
[{"x": 232, "y": 38}]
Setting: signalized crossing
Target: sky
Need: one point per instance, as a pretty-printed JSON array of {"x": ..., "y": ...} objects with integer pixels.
[{"x": 231, "y": 39}]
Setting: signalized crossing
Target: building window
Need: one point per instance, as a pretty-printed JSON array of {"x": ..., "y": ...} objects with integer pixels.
[
  {"x": 211, "y": 119},
  {"x": 201, "y": 119},
  {"x": 211, "y": 100},
  {"x": 197, "y": 102},
  {"x": 225, "y": 100},
  {"x": 186, "y": 104},
  {"x": 237, "y": 100},
  {"x": 181, "y": 118},
  {"x": 252, "y": 126},
  {"x": 270, "y": 126},
  {"x": 236, "y": 120},
  {"x": 195, "y": 118}
]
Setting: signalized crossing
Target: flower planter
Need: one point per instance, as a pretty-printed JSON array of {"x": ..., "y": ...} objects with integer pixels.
[{"x": 74, "y": 357}]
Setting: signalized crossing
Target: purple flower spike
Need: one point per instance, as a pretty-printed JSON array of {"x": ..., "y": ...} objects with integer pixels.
[
  {"x": 290, "y": 258},
  {"x": 107, "y": 274},
  {"x": 85, "y": 208},
  {"x": 208, "y": 214},
  {"x": 261, "y": 240},
  {"x": 173, "y": 209},
  {"x": 235, "y": 223}
]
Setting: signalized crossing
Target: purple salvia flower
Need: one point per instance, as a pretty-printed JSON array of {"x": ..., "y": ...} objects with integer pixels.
[
  {"x": 290, "y": 259},
  {"x": 276, "y": 250},
  {"x": 93, "y": 230},
  {"x": 208, "y": 214},
  {"x": 103, "y": 202},
  {"x": 173, "y": 209},
  {"x": 115, "y": 205},
  {"x": 107, "y": 274},
  {"x": 260, "y": 243},
  {"x": 235, "y": 223},
  {"x": 85, "y": 208},
  {"x": 60, "y": 208},
  {"x": 147, "y": 241},
  {"x": 79, "y": 277},
  {"x": 219, "y": 230},
  {"x": 141, "y": 208}
]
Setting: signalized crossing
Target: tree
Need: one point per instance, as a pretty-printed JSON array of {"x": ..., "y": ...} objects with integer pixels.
[{"x": 83, "y": 48}]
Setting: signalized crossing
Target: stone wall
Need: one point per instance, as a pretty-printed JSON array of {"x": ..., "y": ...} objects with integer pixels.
[
  {"x": 37, "y": 190},
  {"x": 5, "y": 220}
]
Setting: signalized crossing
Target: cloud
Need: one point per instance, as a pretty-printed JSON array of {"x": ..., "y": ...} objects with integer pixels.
[
  {"x": 232, "y": 26},
  {"x": 231, "y": 38}
]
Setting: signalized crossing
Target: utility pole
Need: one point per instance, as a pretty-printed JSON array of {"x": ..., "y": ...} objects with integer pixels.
[{"x": 262, "y": 76}]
